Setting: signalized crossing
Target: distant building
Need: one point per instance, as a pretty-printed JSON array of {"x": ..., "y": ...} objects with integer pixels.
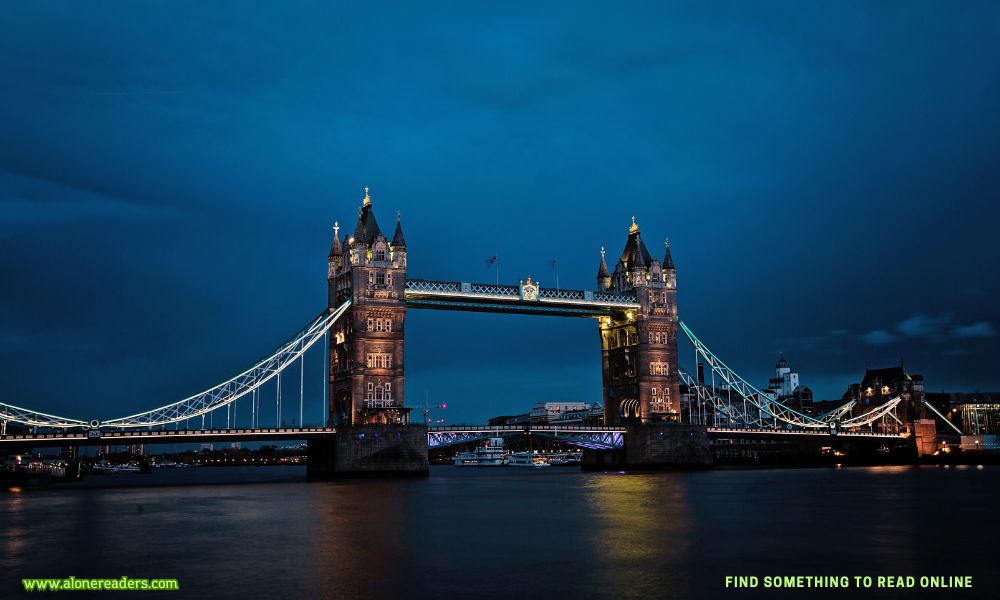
[
  {"x": 975, "y": 413},
  {"x": 592, "y": 415},
  {"x": 785, "y": 388},
  {"x": 522, "y": 419},
  {"x": 546, "y": 412},
  {"x": 564, "y": 413},
  {"x": 978, "y": 412},
  {"x": 879, "y": 386}
]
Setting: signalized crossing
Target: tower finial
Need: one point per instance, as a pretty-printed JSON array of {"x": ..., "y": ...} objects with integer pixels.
[
  {"x": 367, "y": 200},
  {"x": 667, "y": 243},
  {"x": 336, "y": 229},
  {"x": 634, "y": 228},
  {"x": 398, "y": 216},
  {"x": 602, "y": 252}
]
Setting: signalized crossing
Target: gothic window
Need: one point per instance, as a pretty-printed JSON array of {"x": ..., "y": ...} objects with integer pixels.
[
  {"x": 379, "y": 360},
  {"x": 388, "y": 278},
  {"x": 658, "y": 368},
  {"x": 380, "y": 254},
  {"x": 371, "y": 278},
  {"x": 379, "y": 324},
  {"x": 380, "y": 278},
  {"x": 660, "y": 400}
]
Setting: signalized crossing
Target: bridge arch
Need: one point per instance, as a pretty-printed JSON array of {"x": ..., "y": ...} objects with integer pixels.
[{"x": 629, "y": 408}]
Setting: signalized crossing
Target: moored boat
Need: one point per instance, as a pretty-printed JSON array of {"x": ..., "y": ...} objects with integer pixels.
[
  {"x": 526, "y": 459},
  {"x": 492, "y": 454}
]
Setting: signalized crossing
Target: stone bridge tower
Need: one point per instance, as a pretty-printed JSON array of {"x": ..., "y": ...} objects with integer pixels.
[
  {"x": 639, "y": 348},
  {"x": 366, "y": 344}
]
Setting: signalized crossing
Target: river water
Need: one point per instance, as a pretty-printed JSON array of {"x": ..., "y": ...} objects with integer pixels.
[{"x": 508, "y": 533}]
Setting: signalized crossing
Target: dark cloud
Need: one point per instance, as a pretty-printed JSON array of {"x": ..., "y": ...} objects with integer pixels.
[
  {"x": 169, "y": 176},
  {"x": 974, "y": 330}
]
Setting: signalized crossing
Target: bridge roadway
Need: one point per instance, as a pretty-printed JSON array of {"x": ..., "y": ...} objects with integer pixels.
[
  {"x": 165, "y": 436},
  {"x": 581, "y": 435},
  {"x": 587, "y": 436},
  {"x": 716, "y": 431}
]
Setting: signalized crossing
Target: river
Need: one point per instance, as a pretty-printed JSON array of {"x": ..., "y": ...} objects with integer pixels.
[{"x": 508, "y": 533}]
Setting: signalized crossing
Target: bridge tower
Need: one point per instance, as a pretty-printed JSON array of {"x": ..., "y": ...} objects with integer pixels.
[
  {"x": 366, "y": 345},
  {"x": 639, "y": 348}
]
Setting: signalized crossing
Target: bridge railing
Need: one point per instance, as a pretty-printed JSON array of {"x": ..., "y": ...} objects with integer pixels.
[
  {"x": 518, "y": 428},
  {"x": 513, "y": 292}
]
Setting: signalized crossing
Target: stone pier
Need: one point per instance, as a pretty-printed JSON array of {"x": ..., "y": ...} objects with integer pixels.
[
  {"x": 656, "y": 447},
  {"x": 370, "y": 451}
]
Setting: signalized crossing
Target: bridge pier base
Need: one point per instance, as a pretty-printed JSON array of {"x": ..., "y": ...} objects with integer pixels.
[
  {"x": 655, "y": 447},
  {"x": 369, "y": 451}
]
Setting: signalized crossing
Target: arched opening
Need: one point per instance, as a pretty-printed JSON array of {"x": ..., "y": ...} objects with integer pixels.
[{"x": 629, "y": 408}]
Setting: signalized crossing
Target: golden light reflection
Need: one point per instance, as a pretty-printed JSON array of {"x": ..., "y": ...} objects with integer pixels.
[{"x": 641, "y": 520}]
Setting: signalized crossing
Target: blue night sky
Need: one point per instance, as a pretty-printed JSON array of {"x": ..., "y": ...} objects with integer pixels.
[{"x": 170, "y": 173}]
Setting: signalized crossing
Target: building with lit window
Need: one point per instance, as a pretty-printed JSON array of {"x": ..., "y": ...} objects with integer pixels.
[
  {"x": 366, "y": 346},
  {"x": 785, "y": 388},
  {"x": 879, "y": 386}
]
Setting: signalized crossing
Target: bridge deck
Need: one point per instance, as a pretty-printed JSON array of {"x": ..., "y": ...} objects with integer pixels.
[
  {"x": 165, "y": 436},
  {"x": 799, "y": 432},
  {"x": 487, "y": 297},
  {"x": 606, "y": 436}
]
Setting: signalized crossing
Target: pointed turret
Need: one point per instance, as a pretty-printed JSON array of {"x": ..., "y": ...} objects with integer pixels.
[
  {"x": 668, "y": 261},
  {"x": 398, "y": 241},
  {"x": 335, "y": 247},
  {"x": 603, "y": 277},
  {"x": 635, "y": 253},
  {"x": 367, "y": 228}
]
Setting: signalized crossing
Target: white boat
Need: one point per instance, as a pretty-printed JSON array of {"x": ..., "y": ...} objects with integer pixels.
[
  {"x": 492, "y": 454},
  {"x": 526, "y": 459},
  {"x": 566, "y": 460},
  {"x": 105, "y": 467}
]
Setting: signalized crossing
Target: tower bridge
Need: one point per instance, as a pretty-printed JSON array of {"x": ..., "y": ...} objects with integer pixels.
[{"x": 647, "y": 397}]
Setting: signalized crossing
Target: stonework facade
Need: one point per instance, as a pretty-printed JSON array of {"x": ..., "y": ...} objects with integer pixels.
[
  {"x": 639, "y": 348},
  {"x": 366, "y": 344}
]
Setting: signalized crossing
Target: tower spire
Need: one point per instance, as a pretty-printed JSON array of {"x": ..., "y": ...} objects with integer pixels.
[
  {"x": 668, "y": 260},
  {"x": 367, "y": 201},
  {"x": 398, "y": 241},
  {"x": 603, "y": 277},
  {"x": 335, "y": 249}
]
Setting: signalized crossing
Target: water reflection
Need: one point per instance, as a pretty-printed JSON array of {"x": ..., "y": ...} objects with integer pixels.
[
  {"x": 642, "y": 533},
  {"x": 471, "y": 533}
]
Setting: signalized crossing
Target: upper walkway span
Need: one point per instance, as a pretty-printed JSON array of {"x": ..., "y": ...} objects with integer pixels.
[{"x": 526, "y": 298}]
